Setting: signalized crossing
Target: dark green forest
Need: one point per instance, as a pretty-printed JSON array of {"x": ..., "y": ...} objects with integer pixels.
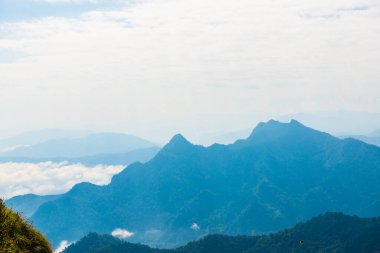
[{"x": 328, "y": 233}]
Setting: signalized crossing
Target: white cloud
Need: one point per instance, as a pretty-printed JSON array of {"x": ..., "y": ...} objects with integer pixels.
[
  {"x": 50, "y": 178},
  {"x": 195, "y": 227},
  {"x": 62, "y": 246},
  {"x": 122, "y": 233},
  {"x": 196, "y": 65}
]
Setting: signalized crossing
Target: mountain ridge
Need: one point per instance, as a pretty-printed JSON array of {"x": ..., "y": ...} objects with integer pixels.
[{"x": 257, "y": 187}]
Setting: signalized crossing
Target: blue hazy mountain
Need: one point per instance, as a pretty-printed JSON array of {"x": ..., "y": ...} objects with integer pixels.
[
  {"x": 338, "y": 122},
  {"x": 27, "y": 204},
  {"x": 371, "y": 138},
  {"x": 375, "y": 133},
  {"x": 35, "y": 137},
  {"x": 138, "y": 155},
  {"x": 281, "y": 174},
  {"x": 331, "y": 232},
  {"x": 90, "y": 145},
  {"x": 367, "y": 139}
]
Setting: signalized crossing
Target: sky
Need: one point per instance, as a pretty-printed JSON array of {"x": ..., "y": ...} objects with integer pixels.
[{"x": 158, "y": 67}]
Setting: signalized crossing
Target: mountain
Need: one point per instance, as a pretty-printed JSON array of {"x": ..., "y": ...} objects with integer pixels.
[
  {"x": 338, "y": 122},
  {"x": 374, "y": 140},
  {"x": 375, "y": 133},
  {"x": 371, "y": 138},
  {"x": 138, "y": 155},
  {"x": 224, "y": 137},
  {"x": 283, "y": 173},
  {"x": 29, "y": 203},
  {"x": 35, "y": 137},
  {"x": 16, "y": 235},
  {"x": 331, "y": 232},
  {"x": 96, "y": 243},
  {"x": 94, "y": 144}
]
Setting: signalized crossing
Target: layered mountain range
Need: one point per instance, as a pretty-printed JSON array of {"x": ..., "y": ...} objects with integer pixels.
[
  {"x": 283, "y": 173},
  {"x": 90, "y": 149}
]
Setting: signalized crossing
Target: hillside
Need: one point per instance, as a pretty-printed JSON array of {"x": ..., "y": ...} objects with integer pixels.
[
  {"x": 16, "y": 235},
  {"x": 331, "y": 232},
  {"x": 283, "y": 173}
]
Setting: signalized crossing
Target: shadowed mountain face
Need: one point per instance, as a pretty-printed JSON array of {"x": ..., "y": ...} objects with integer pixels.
[
  {"x": 332, "y": 232},
  {"x": 281, "y": 174}
]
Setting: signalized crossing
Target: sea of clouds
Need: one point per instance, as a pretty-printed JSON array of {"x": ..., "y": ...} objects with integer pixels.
[{"x": 49, "y": 177}]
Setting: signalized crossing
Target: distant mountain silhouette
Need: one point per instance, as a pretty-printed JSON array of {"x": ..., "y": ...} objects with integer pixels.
[
  {"x": 331, "y": 232},
  {"x": 281, "y": 174},
  {"x": 27, "y": 204},
  {"x": 35, "y": 137},
  {"x": 94, "y": 144},
  {"x": 374, "y": 140},
  {"x": 137, "y": 155},
  {"x": 375, "y": 133},
  {"x": 338, "y": 122}
]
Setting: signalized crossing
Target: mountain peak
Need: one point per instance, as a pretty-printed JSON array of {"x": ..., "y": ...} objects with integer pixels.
[
  {"x": 178, "y": 139},
  {"x": 274, "y": 127},
  {"x": 177, "y": 143},
  {"x": 288, "y": 132},
  {"x": 83, "y": 188},
  {"x": 295, "y": 122},
  {"x": 275, "y": 123}
]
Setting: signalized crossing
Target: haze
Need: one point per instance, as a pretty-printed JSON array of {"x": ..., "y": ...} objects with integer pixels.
[{"x": 155, "y": 68}]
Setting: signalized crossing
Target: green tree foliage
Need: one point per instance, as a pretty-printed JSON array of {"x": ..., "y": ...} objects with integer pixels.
[{"x": 17, "y": 236}]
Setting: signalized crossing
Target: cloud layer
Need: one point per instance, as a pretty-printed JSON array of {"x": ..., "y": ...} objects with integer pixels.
[
  {"x": 194, "y": 65},
  {"x": 49, "y": 178}
]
